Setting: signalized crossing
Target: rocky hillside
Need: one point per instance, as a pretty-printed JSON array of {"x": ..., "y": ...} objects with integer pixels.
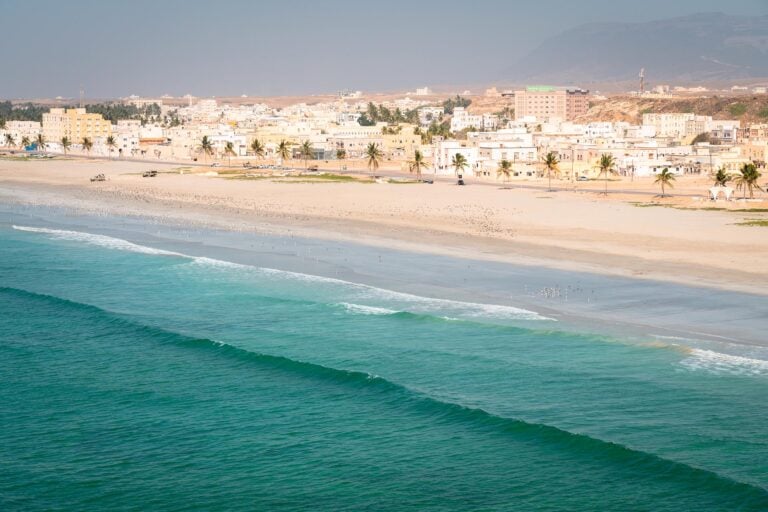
[
  {"x": 695, "y": 48},
  {"x": 748, "y": 109}
]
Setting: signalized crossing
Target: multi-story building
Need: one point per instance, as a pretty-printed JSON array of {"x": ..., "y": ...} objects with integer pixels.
[
  {"x": 429, "y": 114},
  {"x": 401, "y": 142},
  {"x": 463, "y": 120},
  {"x": 127, "y": 136},
  {"x": 725, "y": 132},
  {"x": 544, "y": 102},
  {"x": 670, "y": 125},
  {"x": 576, "y": 103},
  {"x": 698, "y": 125},
  {"x": 75, "y": 124},
  {"x": 20, "y": 129},
  {"x": 446, "y": 150}
]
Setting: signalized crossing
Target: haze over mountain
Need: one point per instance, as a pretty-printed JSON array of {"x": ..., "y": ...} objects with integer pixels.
[
  {"x": 295, "y": 47},
  {"x": 695, "y": 48}
]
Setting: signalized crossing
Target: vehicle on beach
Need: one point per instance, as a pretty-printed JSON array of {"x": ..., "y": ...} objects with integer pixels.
[
  {"x": 149, "y": 174},
  {"x": 99, "y": 177},
  {"x": 461, "y": 180},
  {"x": 582, "y": 178},
  {"x": 215, "y": 164}
]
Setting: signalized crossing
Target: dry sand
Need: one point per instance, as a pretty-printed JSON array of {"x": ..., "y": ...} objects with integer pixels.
[{"x": 574, "y": 230}]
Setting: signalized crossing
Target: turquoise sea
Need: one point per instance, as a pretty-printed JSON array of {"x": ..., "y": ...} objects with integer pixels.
[{"x": 141, "y": 377}]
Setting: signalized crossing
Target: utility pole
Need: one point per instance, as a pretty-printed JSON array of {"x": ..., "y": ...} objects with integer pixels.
[
  {"x": 573, "y": 167},
  {"x": 82, "y": 95},
  {"x": 642, "y": 81}
]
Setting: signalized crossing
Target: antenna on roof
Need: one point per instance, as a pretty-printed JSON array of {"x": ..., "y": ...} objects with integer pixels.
[{"x": 642, "y": 81}]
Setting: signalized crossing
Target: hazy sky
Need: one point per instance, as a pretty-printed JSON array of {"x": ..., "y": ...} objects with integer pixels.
[{"x": 231, "y": 47}]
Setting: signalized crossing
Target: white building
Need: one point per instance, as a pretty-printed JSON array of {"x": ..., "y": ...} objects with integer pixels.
[
  {"x": 20, "y": 129},
  {"x": 678, "y": 125},
  {"x": 127, "y": 138},
  {"x": 445, "y": 152},
  {"x": 463, "y": 120},
  {"x": 429, "y": 114}
]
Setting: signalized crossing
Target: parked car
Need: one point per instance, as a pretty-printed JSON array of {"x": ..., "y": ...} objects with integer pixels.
[
  {"x": 582, "y": 178},
  {"x": 215, "y": 164}
]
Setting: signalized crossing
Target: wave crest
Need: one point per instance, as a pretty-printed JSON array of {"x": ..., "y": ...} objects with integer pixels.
[
  {"x": 352, "y": 293},
  {"x": 437, "y": 409},
  {"x": 98, "y": 240},
  {"x": 716, "y": 362}
]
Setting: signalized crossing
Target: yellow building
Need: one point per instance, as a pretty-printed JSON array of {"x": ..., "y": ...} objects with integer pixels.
[
  {"x": 400, "y": 141},
  {"x": 75, "y": 124},
  {"x": 756, "y": 151}
]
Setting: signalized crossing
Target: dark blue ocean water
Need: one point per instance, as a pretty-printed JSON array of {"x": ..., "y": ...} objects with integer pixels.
[{"x": 139, "y": 379}]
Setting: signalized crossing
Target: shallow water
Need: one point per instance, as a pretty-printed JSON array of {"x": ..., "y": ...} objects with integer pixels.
[{"x": 138, "y": 377}]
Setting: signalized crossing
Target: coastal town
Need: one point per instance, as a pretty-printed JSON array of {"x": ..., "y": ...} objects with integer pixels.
[
  {"x": 498, "y": 135},
  {"x": 402, "y": 257}
]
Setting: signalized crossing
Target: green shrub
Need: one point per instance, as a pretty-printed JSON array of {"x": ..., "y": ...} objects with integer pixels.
[{"x": 738, "y": 109}]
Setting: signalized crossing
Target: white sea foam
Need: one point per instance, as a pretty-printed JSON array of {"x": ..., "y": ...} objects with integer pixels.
[
  {"x": 349, "y": 292},
  {"x": 716, "y": 362},
  {"x": 99, "y": 240},
  {"x": 202, "y": 261},
  {"x": 360, "y": 309},
  {"x": 409, "y": 302},
  {"x": 474, "y": 310}
]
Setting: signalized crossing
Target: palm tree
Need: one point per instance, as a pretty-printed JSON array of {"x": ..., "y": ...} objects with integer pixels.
[
  {"x": 25, "y": 141},
  {"x": 206, "y": 147},
  {"x": 747, "y": 180},
  {"x": 373, "y": 154},
  {"x": 551, "y": 164},
  {"x": 258, "y": 148},
  {"x": 40, "y": 141},
  {"x": 229, "y": 150},
  {"x": 283, "y": 150},
  {"x": 505, "y": 168},
  {"x": 65, "y": 144},
  {"x": 459, "y": 163},
  {"x": 9, "y": 140},
  {"x": 87, "y": 144},
  {"x": 606, "y": 165},
  {"x": 306, "y": 152},
  {"x": 111, "y": 144},
  {"x": 417, "y": 164},
  {"x": 340, "y": 155},
  {"x": 722, "y": 177},
  {"x": 665, "y": 178}
]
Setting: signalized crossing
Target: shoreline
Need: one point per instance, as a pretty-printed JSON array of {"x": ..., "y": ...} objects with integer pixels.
[
  {"x": 643, "y": 310},
  {"x": 567, "y": 255}
]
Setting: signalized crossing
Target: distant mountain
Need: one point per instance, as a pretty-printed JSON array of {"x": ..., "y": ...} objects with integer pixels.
[{"x": 696, "y": 48}]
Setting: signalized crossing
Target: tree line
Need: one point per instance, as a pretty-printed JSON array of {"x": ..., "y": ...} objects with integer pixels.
[
  {"x": 112, "y": 112},
  {"x": 378, "y": 114}
]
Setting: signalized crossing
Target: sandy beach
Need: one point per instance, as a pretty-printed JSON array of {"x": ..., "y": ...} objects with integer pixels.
[{"x": 631, "y": 233}]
